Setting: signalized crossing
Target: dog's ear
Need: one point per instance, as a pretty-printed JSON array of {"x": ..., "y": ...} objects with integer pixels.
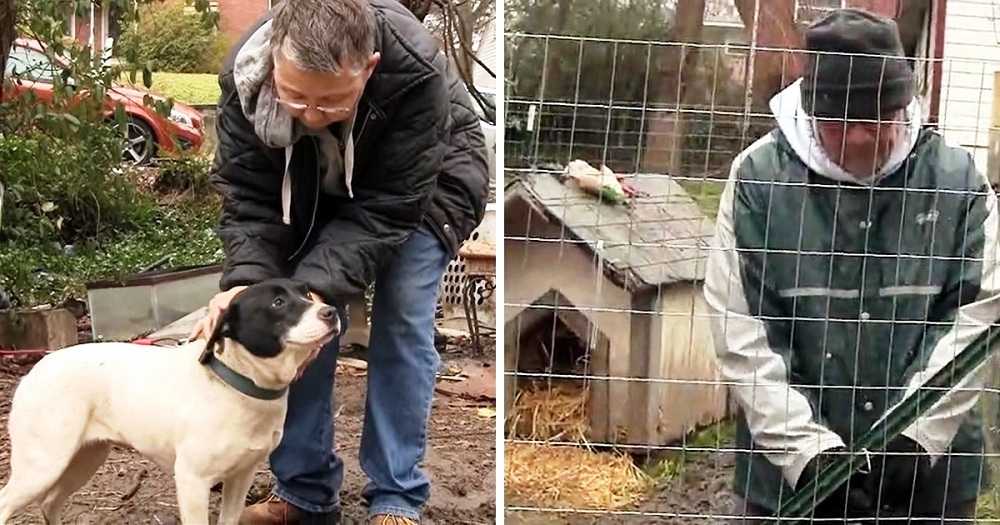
[{"x": 223, "y": 329}]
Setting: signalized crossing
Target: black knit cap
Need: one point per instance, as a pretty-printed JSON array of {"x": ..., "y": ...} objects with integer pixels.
[{"x": 860, "y": 87}]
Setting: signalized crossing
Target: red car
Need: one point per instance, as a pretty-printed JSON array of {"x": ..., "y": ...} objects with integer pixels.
[{"x": 149, "y": 133}]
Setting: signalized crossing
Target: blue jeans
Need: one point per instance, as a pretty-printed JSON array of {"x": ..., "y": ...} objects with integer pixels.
[{"x": 402, "y": 365}]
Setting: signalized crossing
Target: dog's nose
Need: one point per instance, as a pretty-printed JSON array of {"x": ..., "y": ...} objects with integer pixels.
[{"x": 327, "y": 313}]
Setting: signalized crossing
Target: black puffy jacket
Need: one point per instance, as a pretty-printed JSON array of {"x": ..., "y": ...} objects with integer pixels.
[{"x": 420, "y": 156}]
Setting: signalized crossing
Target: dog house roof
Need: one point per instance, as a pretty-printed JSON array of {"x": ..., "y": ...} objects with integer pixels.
[{"x": 661, "y": 237}]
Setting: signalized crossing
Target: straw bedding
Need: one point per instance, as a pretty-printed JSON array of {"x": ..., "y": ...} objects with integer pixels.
[{"x": 559, "y": 475}]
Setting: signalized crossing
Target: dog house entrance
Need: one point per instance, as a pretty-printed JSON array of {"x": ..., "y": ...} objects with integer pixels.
[{"x": 560, "y": 356}]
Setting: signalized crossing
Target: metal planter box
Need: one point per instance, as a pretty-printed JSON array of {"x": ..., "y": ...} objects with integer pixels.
[{"x": 139, "y": 304}]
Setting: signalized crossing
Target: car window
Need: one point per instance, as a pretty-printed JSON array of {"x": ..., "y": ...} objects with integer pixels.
[{"x": 29, "y": 64}]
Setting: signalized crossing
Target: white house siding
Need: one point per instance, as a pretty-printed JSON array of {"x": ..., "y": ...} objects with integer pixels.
[
  {"x": 487, "y": 52},
  {"x": 971, "y": 57}
]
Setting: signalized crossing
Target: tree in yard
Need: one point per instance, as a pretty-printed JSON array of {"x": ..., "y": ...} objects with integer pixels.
[
  {"x": 664, "y": 141},
  {"x": 780, "y": 28},
  {"x": 7, "y": 24},
  {"x": 772, "y": 70},
  {"x": 457, "y": 23},
  {"x": 419, "y": 8}
]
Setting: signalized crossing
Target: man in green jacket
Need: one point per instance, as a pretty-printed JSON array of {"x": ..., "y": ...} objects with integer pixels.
[{"x": 855, "y": 255}]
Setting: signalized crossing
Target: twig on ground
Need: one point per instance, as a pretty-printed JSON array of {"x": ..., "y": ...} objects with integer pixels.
[{"x": 135, "y": 485}]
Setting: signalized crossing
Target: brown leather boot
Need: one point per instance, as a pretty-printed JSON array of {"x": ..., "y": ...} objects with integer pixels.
[{"x": 271, "y": 511}]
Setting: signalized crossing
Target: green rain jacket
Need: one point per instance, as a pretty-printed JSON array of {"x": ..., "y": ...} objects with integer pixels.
[{"x": 833, "y": 298}]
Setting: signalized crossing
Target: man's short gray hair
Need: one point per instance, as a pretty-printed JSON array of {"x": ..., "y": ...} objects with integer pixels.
[{"x": 324, "y": 35}]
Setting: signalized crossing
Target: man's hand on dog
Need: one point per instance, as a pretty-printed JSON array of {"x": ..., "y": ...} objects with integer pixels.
[{"x": 216, "y": 306}]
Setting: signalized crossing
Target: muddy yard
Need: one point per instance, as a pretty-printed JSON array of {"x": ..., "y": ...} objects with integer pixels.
[{"x": 460, "y": 459}]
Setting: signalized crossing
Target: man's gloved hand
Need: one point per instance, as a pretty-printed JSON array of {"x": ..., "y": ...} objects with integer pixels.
[
  {"x": 850, "y": 500},
  {"x": 899, "y": 471}
]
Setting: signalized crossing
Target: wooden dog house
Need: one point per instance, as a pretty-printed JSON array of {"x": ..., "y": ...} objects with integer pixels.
[{"x": 625, "y": 280}]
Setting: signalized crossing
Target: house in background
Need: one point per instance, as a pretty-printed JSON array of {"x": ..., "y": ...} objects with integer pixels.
[
  {"x": 955, "y": 45},
  {"x": 97, "y": 27},
  {"x": 102, "y": 24},
  {"x": 486, "y": 51},
  {"x": 969, "y": 96},
  {"x": 599, "y": 290},
  {"x": 236, "y": 16},
  {"x": 722, "y": 25},
  {"x": 723, "y": 80}
]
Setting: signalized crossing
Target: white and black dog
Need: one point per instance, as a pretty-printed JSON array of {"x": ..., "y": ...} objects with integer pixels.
[{"x": 209, "y": 412}]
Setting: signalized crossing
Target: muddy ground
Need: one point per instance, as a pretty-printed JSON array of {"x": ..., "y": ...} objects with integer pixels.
[{"x": 461, "y": 459}]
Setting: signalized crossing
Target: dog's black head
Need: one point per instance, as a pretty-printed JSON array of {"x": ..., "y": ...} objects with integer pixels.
[{"x": 274, "y": 315}]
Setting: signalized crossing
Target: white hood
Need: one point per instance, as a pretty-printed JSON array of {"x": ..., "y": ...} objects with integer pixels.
[
  {"x": 252, "y": 74},
  {"x": 799, "y": 130}
]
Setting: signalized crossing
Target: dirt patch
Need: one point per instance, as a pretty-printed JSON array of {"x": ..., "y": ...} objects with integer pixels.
[
  {"x": 702, "y": 487},
  {"x": 461, "y": 460}
]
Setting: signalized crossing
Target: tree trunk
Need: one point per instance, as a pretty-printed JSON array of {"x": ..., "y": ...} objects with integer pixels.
[
  {"x": 7, "y": 30},
  {"x": 772, "y": 70},
  {"x": 664, "y": 138},
  {"x": 464, "y": 30}
]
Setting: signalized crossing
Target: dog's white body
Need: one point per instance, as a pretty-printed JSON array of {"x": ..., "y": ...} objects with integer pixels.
[{"x": 164, "y": 403}]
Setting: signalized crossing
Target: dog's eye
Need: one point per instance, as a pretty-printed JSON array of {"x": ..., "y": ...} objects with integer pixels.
[{"x": 278, "y": 302}]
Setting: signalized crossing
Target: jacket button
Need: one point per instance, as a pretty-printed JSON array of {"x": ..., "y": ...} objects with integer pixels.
[
  {"x": 446, "y": 227},
  {"x": 869, "y": 406},
  {"x": 864, "y": 225},
  {"x": 865, "y": 316},
  {"x": 829, "y": 355}
]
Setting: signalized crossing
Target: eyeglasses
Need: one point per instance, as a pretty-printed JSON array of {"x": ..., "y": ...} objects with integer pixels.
[{"x": 297, "y": 106}]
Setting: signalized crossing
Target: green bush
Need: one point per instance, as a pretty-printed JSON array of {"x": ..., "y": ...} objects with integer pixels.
[
  {"x": 182, "y": 232},
  {"x": 184, "y": 173},
  {"x": 166, "y": 38},
  {"x": 66, "y": 188}
]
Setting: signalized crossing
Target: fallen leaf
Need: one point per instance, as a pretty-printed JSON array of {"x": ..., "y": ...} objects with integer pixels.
[{"x": 486, "y": 412}]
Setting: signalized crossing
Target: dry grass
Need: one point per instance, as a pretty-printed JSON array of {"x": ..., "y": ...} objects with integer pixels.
[
  {"x": 571, "y": 477},
  {"x": 564, "y": 476},
  {"x": 550, "y": 414}
]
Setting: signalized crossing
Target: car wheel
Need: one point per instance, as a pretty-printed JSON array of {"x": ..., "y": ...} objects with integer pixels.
[{"x": 140, "y": 143}]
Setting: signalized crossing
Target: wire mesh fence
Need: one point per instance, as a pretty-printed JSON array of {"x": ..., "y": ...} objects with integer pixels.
[{"x": 695, "y": 303}]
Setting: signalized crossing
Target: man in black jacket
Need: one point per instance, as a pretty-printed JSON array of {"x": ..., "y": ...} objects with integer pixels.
[{"x": 348, "y": 154}]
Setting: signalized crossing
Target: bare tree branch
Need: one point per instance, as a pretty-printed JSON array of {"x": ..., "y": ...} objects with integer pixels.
[
  {"x": 419, "y": 8},
  {"x": 456, "y": 22}
]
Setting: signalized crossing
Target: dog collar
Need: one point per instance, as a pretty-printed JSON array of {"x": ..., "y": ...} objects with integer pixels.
[{"x": 240, "y": 382}]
